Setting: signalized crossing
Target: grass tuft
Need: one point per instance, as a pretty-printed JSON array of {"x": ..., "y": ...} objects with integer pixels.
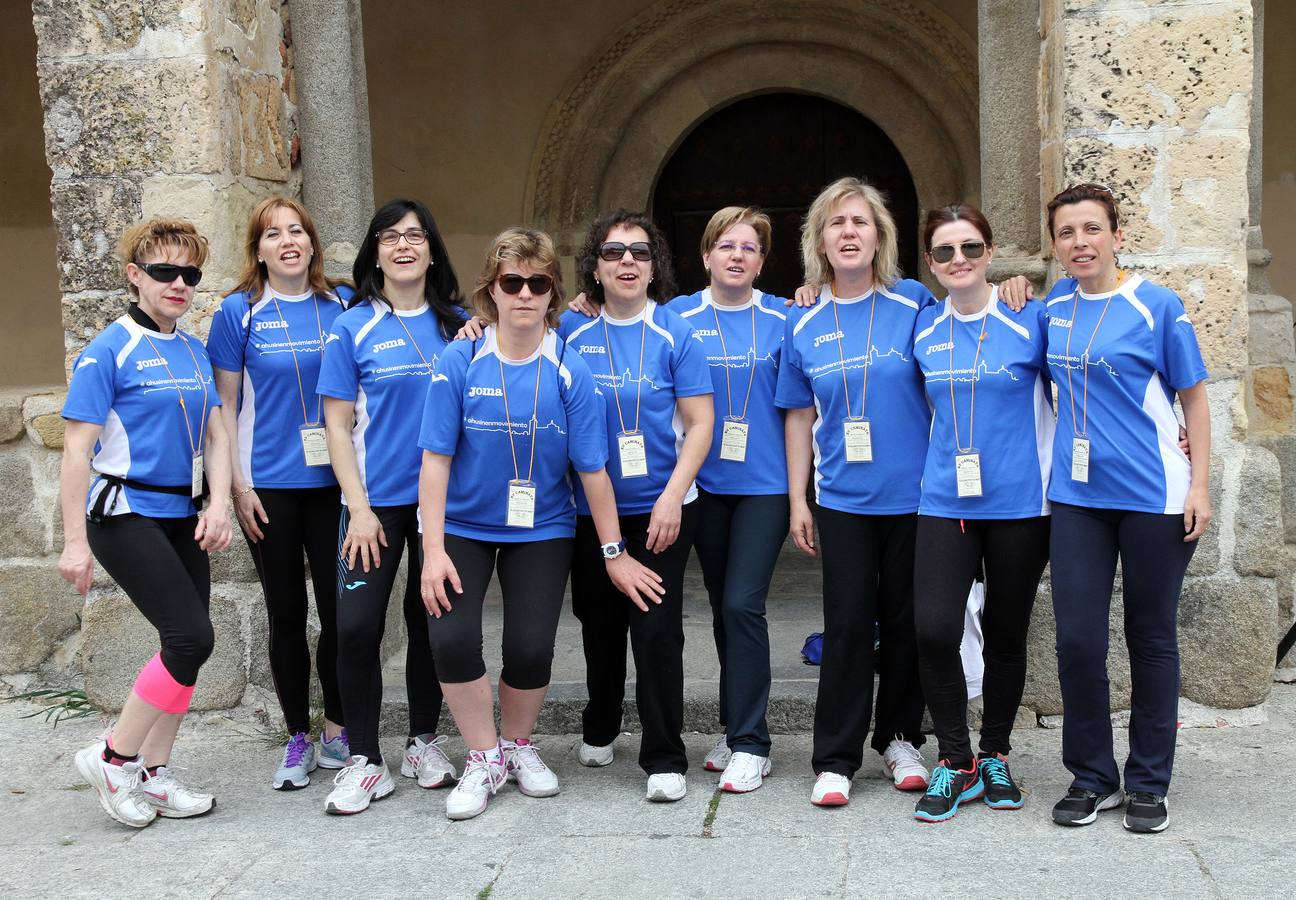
[{"x": 57, "y": 705}]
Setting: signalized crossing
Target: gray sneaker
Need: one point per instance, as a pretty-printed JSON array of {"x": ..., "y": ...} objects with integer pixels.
[
  {"x": 299, "y": 760},
  {"x": 334, "y": 754}
]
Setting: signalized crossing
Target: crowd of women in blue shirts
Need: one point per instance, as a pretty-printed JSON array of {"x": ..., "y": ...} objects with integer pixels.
[{"x": 502, "y": 431}]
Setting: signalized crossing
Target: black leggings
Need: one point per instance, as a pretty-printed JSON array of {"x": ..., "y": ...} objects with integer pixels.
[
  {"x": 300, "y": 519},
  {"x": 159, "y": 565},
  {"x": 533, "y": 579},
  {"x": 656, "y": 638},
  {"x": 950, "y": 551},
  {"x": 361, "y": 619},
  {"x": 867, "y": 577}
]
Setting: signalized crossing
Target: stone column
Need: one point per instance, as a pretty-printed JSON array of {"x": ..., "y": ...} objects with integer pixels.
[
  {"x": 1008, "y": 49},
  {"x": 333, "y": 104},
  {"x": 1154, "y": 100}
]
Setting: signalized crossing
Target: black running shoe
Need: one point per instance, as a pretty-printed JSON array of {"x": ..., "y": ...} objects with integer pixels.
[
  {"x": 1147, "y": 813},
  {"x": 947, "y": 789},
  {"x": 1081, "y": 807},
  {"x": 1001, "y": 791}
]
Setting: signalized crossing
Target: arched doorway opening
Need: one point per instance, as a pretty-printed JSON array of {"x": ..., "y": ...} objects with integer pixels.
[{"x": 776, "y": 151}]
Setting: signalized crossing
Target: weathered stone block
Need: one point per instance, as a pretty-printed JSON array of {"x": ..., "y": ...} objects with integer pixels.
[
  {"x": 1206, "y": 558},
  {"x": 1216, "y": 300},
  {"x": 234, "y": 564},
  {"x": 11, "y": 415},
  {"x": 1226, "y": 640},
  {"x": 115, "y": 118},
  {"x": 1283, "y": 446},
  {"x": 1270, "y": 321},
  {"x": 1257, "y": 526},
  {"x": 261, "y": 120},
  {"x": 38, "y": 609},
  {"x": 1204, "y": 199},
  {"x": 1188, "y": 68},
  {"x": 91, "y": 214},
  {"x": 119, "y": 641},
  {"x": 26, "y": 504},
  {"x": 87, "y": 314},
  {"x": 44, "y": 422},
  {"x": 1130, "y": 172},
  {"x": 219, "y": 208},
  {"x": 91, "y": 26},
  {"x": 1271, "y": 398}
]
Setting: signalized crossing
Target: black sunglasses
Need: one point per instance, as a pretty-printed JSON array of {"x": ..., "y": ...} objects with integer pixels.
[
  {"x": 167, "y": 272},
  {"x": 539, "y": 284},
  {"x": 943, "y": 253},
  {"x": 614, "y": 250}
]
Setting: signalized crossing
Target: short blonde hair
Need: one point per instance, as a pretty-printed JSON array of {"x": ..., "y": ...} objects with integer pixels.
[
  {"x": 730, "y": 216},
  {"x": 146, "y": 238},
  {"x": 886, "y": 259},
  {"x": 519, "y": 245}
]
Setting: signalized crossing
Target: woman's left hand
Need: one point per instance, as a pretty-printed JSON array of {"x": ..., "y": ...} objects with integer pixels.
[
  {"x": 472, "y": 330},
  {"x": 664, "y": 523},
  {"x": 1197, "y": 513},
  {"x": 213, "y": 532}
]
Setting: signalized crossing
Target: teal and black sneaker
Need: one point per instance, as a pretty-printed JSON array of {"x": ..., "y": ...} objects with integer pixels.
[
  {"x": 1001, "y": 792},
  {"x": 336, "y": 753},
  {"x": 948, "y": 788},
  {"x": 299, "y": 760}
]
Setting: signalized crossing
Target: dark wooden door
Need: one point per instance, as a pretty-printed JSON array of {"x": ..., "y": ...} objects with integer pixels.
[{"x": 776, "y": 151}]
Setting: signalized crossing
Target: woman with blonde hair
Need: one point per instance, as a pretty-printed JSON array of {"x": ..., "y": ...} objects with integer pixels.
[
  {"x": 266, "y": 342},
  {"x": 857, "y": 413},
  {"x": 141, "y": 401}
]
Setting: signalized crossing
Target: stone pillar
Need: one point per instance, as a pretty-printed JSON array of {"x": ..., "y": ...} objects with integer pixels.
[
  {"x": 333, "y": 104},
  {"x": 1154, "y": 100},
  {"x": 175, "y": 108},
  {"x": 1008, "y": 50}
]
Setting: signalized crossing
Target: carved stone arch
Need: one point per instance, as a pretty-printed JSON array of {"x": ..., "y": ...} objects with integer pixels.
[{"x": 902, "y": 64}]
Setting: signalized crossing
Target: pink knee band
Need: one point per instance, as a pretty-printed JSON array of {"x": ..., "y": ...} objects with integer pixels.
[{"x": 156, "y": 687}]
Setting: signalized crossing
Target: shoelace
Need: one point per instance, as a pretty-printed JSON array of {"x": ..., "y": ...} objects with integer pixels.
[
  {"x": 134, "y": 783},
  {"x": 993, "y": 768},
  {"x": 942, "y": 779},
  {"x": 529, "y": 756},
  {"x": 904, "y": 751},
  {"x": 478, "y": 765},
  {"x": 1144, "y": 797},
  {"x": 350, "y": 775},
  {"x": 296, "y": 749}
]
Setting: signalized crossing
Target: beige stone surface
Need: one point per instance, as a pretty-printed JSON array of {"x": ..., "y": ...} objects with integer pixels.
[
  {"x": 37, "y": 608},
  {"x": 1215, "y": 298},
  {"x": 26, "y": 497},
  {"x": 1204, "y": 201},
  {"x": 1226, "y": 642},
  {"x": 219, "y": 207},
  {"x": 91, "y": 214},
  {"x": 261, "y": 127},
  {"x": 50, "y": 429},
  {"x": 1131, "y": 171},
  {"x": 11, "y": 416},
  {"x": 88, "y": 313},
  {"x": 1271, "y": 394},
  {"x": 91, "y": 26},
  {"x": 1257, "y": 524}
]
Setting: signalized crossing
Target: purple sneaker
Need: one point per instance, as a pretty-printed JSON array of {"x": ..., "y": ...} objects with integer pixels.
[{"x": 299, "y": 760}]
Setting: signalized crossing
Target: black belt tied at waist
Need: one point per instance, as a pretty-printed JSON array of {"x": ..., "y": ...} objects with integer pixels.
[{"x": 106, "y": 502}]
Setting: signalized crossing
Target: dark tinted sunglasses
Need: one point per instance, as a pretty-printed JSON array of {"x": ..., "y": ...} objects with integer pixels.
[
  {"x": 167, "y": 272},
  {"x": 539, "y": 284},
  {"x": 614, "y": 250},
  {"x": 943, "y": 253}
]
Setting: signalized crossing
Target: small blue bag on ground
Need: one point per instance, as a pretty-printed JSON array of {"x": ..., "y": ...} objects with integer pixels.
[{"x": 812, "y": 651}]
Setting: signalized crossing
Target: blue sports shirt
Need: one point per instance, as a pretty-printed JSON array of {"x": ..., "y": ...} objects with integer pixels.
[
  {"x": 1144, "y": 351},
  {"x": 465, "y": 418},
  {"x": 382, "y": 360},
  {"x": 126, "y": 380},
  {"x": 726, "y": 335},
  {"x": 811, "y": 375},
  {"x": 1013, "y": 423},
  {"x": 674, "y": 365},
  {"x": 276, "y": 343}
]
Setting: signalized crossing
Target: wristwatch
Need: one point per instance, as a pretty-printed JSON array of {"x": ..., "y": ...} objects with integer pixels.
[{"x": 612, "y": 551}]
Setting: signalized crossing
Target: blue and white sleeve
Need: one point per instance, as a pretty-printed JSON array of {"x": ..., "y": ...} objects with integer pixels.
[
  {"x": 92, "y": 389},
  {"x": 443, "y": 406},
  {"x": 793, "y": 390},
  {"x": 587, "y": 444}
]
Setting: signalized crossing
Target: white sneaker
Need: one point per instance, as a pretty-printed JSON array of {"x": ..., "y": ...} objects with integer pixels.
[
  {"x": 831, "y": 789},
  {"x": 482, "y": 777},
  {"x": 666, "y": 787},
  {"x": 902, "y": 762},
  {"x": 356, "y": 785},
  {"x": 426, "y": 761},
  {"x": 718, "y": 758},
  {"x": 172, "y": 799},
  {"x": 744, "y": 773},
  {"x": 118, "y": 787},
  {"x": 595, "y": 757},
  {"x": 523, "y": 763}
]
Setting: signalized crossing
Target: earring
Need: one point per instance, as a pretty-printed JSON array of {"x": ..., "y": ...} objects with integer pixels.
[{"x": 260, "y": 260}]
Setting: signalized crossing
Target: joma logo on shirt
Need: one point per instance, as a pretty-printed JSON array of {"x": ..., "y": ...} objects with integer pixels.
[
  {"x": 387, "y": 345},
  {"x": 830, "y": 336},
  {"x": 591, "y": 348},
  {"x": 707, "y": 332},
  {"x": 936, "y": 348},
  {"x": 262, "y": 326},
  {"x": 149, "y": 363},
  {"x": 1059, "y": 322},
  {"x": 485, "y": 392}
]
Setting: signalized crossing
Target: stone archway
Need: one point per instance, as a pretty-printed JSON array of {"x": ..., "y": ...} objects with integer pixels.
[{"x": 900, "y": 63}]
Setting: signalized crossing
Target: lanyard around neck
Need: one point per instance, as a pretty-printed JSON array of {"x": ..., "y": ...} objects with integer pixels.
[
  {"x": 535, "y": 407},
  {"x": 751, "y": 376},
  {"x": 976, "y": 358},
  {"x": 184, "y": 409},
  {"x": 616, "y": 394},
  {"x": 868, "y": 353},
  {"x": 301, "y": 390}
]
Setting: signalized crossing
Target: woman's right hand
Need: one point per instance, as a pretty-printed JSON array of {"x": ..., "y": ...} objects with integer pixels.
[
  {"x": 437, "y": 570},
  {"x": 638, "y": 582},
  {"x": 364, "y": 539},
  {"x": 802, "y": 525},
  {"x": 76, "y": 565},
  {"x": 1015, "y": 292},
  {"x": 806, "y": 295},
  {"x": 472, "y": 330},
  {"x": 581, "y": 304},
  {"x": 247, "y": 509}
]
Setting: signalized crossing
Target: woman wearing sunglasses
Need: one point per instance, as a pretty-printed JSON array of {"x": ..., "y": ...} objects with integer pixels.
[
  {"x": 378, "y": 361},
  {"x": 507, "y": 417},
  {"x": 653, "y": 375},
  {"x": 266, "y": 343},
  {"x": 856, "y": 410},
  {"x": 983, "y": 504},
  {"x": 142, "y": 402}
]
